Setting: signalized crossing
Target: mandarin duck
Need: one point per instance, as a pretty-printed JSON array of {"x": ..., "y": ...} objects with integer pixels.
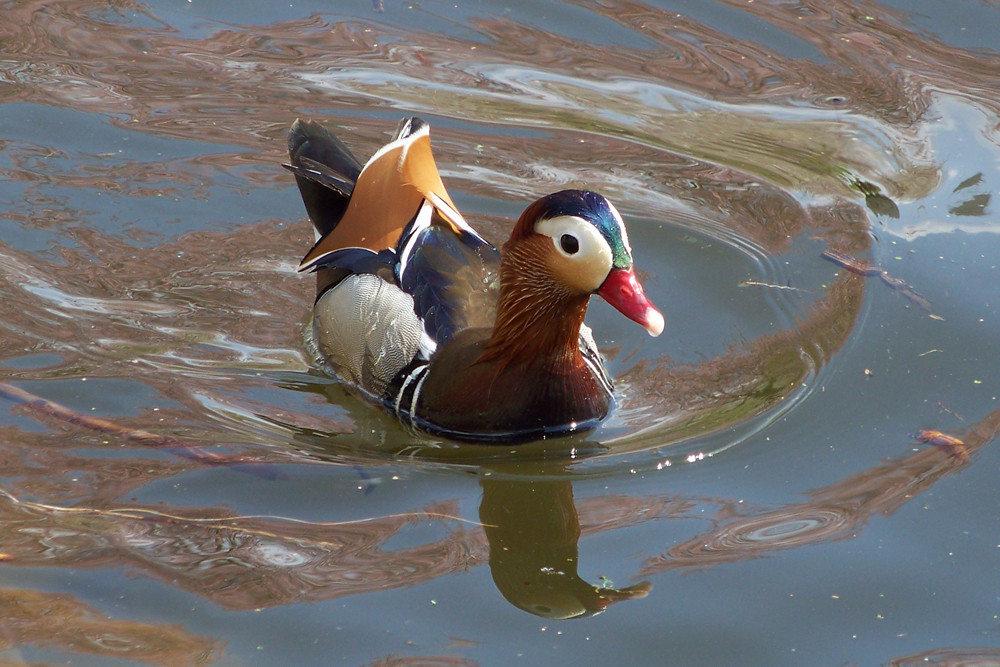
[{"x": 419, "y": 312}]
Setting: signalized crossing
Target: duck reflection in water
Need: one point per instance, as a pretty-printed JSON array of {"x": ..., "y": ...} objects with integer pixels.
[{"x": 533, "y": 529}]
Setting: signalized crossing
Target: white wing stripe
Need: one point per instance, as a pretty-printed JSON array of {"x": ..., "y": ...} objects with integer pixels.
[{"x": 422, "y": 222}]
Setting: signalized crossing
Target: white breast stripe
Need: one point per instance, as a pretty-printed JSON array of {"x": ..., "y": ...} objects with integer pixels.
[
  {"x": 427, "y": 344},
  {"x": 598, "y": 369},
  {"x": 416, "y": 393},
  {"x": 588, "y": 348},
  {"x": 402, "y": 390}
]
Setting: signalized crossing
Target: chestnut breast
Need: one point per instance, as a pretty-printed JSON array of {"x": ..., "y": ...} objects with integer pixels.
[{"x": 463, "y": 393}]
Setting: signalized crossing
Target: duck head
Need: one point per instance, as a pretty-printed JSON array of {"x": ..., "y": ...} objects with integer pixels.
[{"x": 572, "y": 244}]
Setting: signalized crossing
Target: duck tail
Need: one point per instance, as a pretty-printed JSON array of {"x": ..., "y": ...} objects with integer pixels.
[{"x": 325, "y": 171}]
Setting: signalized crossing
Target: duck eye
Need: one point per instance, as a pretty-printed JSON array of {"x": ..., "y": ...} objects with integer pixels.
[{"x": 569, "y": 244}]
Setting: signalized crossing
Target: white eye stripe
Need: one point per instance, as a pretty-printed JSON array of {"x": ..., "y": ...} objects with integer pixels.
[{"x": 621, "y": 226}]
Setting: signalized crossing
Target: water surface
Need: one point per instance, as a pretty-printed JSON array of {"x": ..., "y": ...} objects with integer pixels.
[{"x": 184, "y": 485}]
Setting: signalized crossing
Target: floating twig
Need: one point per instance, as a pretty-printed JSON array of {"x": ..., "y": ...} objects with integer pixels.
[
  {"x": 44, "y": 406},
  {"x": 851, "y": 263},
  {"x": 950, "y": 412},
  {"x": 855, "y": 265},
  {"x": 757, "y": 283}
]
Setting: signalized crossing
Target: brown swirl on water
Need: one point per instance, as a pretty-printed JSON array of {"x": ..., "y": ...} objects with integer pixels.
[
  {"x": 199, "y": 321},
  {"x": 614, "y": 511},
  {"x": 45, "y": 465},
  {"x": 189, "y": 87},
  {"x": 879, "y": 64},
  {"x": 238, "y": 562},
  {"x": 218, "y": 286},
  {"x": 424, "y": 661},
  {"x": 835, "y": 512},
  {"x": 60, "y": 621},
  {"x": 980, "y": 656},
  {"x": 244, "y": 562}
]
